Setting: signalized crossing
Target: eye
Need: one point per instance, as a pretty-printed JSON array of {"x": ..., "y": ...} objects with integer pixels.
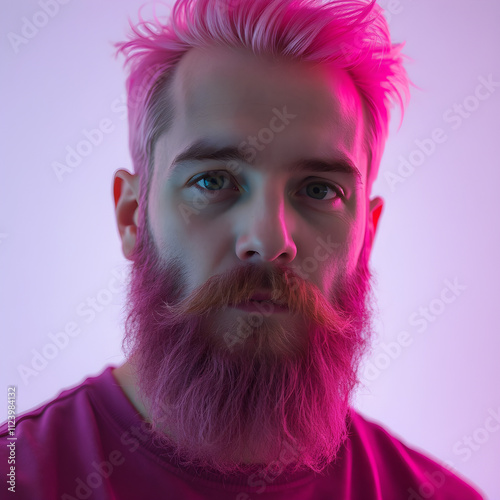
[
  {"x": 211, "y": 181},
  {"x": 320, "y": 191},
  {"x": 214, "y": 182}
]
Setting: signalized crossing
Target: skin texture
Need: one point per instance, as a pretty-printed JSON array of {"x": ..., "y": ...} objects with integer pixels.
[{"x": 250, "y": 227}]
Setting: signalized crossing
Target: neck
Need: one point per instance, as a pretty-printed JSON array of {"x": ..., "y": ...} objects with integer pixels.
[{"x": 126, "y": 378}]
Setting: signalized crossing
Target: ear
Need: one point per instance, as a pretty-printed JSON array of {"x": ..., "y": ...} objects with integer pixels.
[
  {"x": 375, "y": 210},
  {"x": 126, "y": 198}
]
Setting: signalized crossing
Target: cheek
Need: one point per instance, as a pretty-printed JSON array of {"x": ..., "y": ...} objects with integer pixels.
[
  {"x": 356, "y": 242},
  {"x": 161, "y": 224},
  {"x": 337, "y": 254},
  {"x": 169, "y": 231},
  {"x": 202, "y": 242}
]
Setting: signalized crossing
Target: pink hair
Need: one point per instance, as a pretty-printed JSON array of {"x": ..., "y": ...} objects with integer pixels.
[{"x": 351, "y": 35}]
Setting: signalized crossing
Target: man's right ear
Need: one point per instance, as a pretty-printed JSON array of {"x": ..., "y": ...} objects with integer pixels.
[{"x": 126, "y": 197}]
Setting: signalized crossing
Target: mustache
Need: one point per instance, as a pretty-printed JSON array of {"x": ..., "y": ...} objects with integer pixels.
[{"x": 285, "y": 287}]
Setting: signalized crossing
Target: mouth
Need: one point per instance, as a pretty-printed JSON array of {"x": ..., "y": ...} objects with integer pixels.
[
  {"x": 260, "y": 300},
  {"x": 264, "y": 307},
  {"x": 254, "y": 301}
]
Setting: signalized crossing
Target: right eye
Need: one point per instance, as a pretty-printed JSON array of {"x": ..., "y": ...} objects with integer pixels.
[{"x": 213, "y": 181}]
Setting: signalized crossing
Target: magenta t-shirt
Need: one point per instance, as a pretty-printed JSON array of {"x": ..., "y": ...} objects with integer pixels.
[{"x": 91, "y": 443}]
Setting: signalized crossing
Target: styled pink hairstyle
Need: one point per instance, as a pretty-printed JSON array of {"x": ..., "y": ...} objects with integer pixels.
[{"x": 350, "y": 35}]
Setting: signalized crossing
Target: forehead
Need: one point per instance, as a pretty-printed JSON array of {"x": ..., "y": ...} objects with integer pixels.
[{"x": 229, "y": 95}]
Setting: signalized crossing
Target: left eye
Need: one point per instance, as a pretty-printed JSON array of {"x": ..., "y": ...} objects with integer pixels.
[{"x": 319, "y": 191}]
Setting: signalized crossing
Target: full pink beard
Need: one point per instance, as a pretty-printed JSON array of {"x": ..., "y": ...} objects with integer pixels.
[{"x": 285, "y": 386}]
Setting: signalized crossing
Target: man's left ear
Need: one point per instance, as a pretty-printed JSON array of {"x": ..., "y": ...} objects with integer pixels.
[{"x": 375, "y": 210}]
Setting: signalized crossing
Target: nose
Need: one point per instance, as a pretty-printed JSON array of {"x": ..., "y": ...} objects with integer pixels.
[{"x": 266, "y": 229}]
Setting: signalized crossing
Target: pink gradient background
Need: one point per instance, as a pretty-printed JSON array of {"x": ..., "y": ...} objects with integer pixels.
[{"x": 59, "y": 244}]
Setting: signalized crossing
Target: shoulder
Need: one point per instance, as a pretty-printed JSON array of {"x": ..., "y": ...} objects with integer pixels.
[
  {"x": 397, "y": 466},
  {"x": 69, "y": 404},
  {"x": 47, "y": 446}
]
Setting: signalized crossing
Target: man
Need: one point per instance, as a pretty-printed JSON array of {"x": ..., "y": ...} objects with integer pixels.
[{"x": 256, "y": 132}]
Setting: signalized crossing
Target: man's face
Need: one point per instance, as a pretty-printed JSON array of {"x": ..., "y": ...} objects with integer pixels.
[
  {"x": 232, "y": 381},
  {"x": 256, "y": 210}
]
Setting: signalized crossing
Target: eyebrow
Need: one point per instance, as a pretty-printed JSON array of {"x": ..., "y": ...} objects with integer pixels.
[{"x": 202, "y": 150}]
